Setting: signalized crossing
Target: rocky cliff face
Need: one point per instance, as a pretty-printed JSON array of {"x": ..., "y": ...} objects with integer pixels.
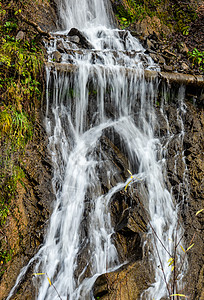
[
  {"x": 30, "y": 200},
  {"x": 25, "y": 226},
  {"x": 193, "y": 143},
  {"x": 29, "y": 211},
  {"x": 185, "y": 178}
]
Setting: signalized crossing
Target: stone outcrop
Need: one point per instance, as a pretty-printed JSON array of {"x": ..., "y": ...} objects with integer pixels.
[{"x": 128, "y": 282}]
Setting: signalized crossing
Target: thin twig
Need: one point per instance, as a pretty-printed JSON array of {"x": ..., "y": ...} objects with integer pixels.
[
  {"x": 144, "y": 210},
  {"x": 167, "y": 286},
  {"x": 35, "y": 25},
  {"x": 54, "y": 288}
]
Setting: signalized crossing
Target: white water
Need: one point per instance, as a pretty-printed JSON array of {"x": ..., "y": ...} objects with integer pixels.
[{"x": 75, "y": 122}]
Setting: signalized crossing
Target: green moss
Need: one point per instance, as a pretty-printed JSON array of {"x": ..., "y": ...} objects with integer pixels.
[
  {"x": 5, "y": 257},
  {"x": 177, "y": 15},
  {"x": 9, "y": 179},
  {"x": 20, "y": 93}
]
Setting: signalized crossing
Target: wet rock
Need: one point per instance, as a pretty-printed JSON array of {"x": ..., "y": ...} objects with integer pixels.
[
  {"x": 79, "y": 38},
  {"x": 161, "y": 60},
  {"x": 191, "y": 199},
  {"x": 20, "y": 36},
  {"x": 129, "y": 281},
  {"x": 60, "y": 46},
  {"x": 130, "y": 223},
  {"x": 57, "y": 56},
  {"x": 74, "y": 39}
]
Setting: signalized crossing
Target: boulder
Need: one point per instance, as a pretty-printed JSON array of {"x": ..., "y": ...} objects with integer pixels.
[
  {"x": 128, "y": 282},
  {"x": 76, "y": 36}
]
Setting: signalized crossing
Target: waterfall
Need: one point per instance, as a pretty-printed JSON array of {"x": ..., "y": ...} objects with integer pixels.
[{"x": 104, "y": 94}]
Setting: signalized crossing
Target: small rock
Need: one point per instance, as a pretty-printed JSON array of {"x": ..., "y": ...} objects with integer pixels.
[
  {"x": 57, "y": 56},
  {"x": 168, "y": 68},
  {"x": 60, "y": 46},
  {"x": 157, "y": 58},
  {"x": 20, "y": 36},
  {"x": 149, "y": 44},
  {"x": 184, "y": 66},
  {"x": 161, "y": 60}
]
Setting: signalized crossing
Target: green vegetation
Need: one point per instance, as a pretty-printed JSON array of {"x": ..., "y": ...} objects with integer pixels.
[
  {"x": 9, "y": 178},
  {"x": 130, "y": 11},
  {"x": 197, "y": 58},
  {"x": 21, "y": 61},
  {"x": 5, "y": 257},
  {"x": 177, "y": 15},
  {"x": 15, "y": 124}
]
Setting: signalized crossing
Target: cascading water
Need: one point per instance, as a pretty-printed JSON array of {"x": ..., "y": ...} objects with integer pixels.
[{"x": 112, "y": 69}]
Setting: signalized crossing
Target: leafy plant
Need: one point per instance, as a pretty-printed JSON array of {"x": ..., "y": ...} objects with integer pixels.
[
  {"x": 130, "y": 11},
  {"x": 197, "y": 58}
]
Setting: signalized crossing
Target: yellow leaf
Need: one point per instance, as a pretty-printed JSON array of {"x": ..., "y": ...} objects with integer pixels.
[
  {"x": 171, "y": 263},
  {"x": 49, "y": 280},
  {"x": 190, "y": 247},
  {"x": 182, "y": 249},
  {"x": 199, "y": 211},
  {"x": 170, "y": 259},
  {"x": 36, "y": 274},
  {"x": 129, "y": 172},
  {"x": 181, "y": 295},
  {"x": 127, "y": 185},
  {"x": 172, "y": 268}
]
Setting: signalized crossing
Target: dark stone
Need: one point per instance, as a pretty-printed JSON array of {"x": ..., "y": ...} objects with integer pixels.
[
  {"x": 84, "y": 43},
  {"x": 74, "y": 39},
  {"x": 60, "y": 46}
]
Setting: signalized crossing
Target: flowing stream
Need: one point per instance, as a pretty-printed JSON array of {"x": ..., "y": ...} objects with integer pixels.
[{"x": 103, "y": 92}]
